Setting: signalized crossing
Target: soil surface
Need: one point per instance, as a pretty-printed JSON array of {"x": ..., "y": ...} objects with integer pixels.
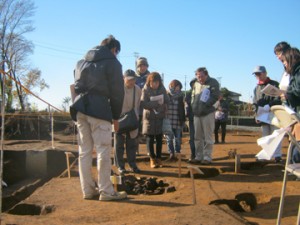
[{"x": 223, "y": 196}]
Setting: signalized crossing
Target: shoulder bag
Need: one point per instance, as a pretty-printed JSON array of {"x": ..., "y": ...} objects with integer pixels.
[{"x": 128, "y": 121}]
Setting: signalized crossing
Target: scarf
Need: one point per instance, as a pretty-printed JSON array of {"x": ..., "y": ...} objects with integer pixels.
[
  {"x": 175, "y": 94},
  {"x": 260, "y": 82}
]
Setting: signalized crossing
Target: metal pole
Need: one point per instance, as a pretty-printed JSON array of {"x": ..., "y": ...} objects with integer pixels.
[
  {"x": 2, "y": 138},
  {"x": 52, "y": 131},
  {"x": 39, "y": 135}
]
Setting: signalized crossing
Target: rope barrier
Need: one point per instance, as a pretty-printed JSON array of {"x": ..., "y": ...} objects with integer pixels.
[
  {"x": 35, "y": 114},
  {"x": 27, "y": 90}
]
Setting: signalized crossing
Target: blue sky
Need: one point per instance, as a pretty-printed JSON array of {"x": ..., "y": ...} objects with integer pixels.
[{"x": 228, "y": 37}]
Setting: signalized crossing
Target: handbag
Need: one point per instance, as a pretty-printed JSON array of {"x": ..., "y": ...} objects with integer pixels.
[{"x": 128, "y": 121}]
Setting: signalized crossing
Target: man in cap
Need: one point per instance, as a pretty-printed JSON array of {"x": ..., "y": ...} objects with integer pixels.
[
  {"x": 265, "y": 101},
  {"x": 130, "y": 139}
]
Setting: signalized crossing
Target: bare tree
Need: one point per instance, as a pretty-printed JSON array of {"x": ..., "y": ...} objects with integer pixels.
[
  {"x": 18, "y": 53},
  {"x": 14, "y": 48},
  {"x": 30, "y": 80}
]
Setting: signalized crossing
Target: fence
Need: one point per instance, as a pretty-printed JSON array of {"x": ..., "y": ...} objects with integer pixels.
[
  {"x": 246, "y": 123},
  {"x": 42, "y": 126}
]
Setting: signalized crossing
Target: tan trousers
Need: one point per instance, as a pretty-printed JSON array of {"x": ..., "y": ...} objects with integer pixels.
[
  {"x": 296, "y": 131},
  {"x": 204, "y": 128},
  {"x": 92, "y": 133}
]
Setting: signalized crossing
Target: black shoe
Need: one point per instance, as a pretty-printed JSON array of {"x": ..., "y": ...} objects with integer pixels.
[
  {"x": 278, "y": 159},
  {"x": 135, "y": 170},
  {"x": 195, "y": 161},
  {"x": 171, "y": 158},
  {"x": 205, "y": 162},
  {"x": 122, "y": 171}
]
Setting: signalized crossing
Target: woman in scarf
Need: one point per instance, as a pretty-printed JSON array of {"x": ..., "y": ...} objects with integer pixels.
[{"x": 176, "y": 115}]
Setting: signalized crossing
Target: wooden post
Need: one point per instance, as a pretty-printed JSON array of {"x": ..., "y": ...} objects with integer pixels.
[
  {"x": 116, "y": 180},
  {"x": 197, "y": 170},
  {"x": 115, "y": 183},
  {"x": 68, "y": 163},
  {"x": 52, "y": 130},
  {"x": 237, "y": 167},
  {"x": 179, "y": 164}
]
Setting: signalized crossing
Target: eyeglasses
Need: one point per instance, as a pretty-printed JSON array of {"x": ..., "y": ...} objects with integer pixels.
[{"x": 257, "y": 74}]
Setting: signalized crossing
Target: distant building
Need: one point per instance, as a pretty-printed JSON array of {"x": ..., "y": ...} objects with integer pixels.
[{"x": 234, "y": 96}]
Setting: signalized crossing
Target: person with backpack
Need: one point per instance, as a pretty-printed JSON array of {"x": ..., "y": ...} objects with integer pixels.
[{"x": 100, "y": 91}]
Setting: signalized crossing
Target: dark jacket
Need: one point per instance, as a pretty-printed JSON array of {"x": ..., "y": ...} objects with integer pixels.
[
  {"x": 261, "y": 99},
  {"x": 201, "y": 108},
  {"x": 188, "y": 107},
  {"x": 141, "y": 79},
  {"x": 99, "y": 81},
  {"x": 188, "y": 102},
  {"x": 153, "y": 112},
  {"x": 293, "y": 91}
]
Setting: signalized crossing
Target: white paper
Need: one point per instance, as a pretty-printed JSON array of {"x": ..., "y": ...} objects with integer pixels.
[
  {"x": 285, "y": 81},
  {"x": 289, "y": 110},
  {"x": 205, "y": 94},
  {"x": 264, "y": 115},
  {"x": 271, "y": 90},
  {"x": 158, "y": 98},
  {"x": 269, "y": 144}
]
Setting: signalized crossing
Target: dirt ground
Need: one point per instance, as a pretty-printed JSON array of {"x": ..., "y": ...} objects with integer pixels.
[{"x": 250, "y": 196}]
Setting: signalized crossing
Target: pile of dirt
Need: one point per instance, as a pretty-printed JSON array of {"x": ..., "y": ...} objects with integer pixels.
[{"x": 143, "y": 185}]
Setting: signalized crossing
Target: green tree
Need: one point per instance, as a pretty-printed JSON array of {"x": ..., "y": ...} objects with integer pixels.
[{"x": 225, "y": 92}]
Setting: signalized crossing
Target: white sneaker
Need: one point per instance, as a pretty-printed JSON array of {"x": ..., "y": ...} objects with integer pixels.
[{"x": 114, "y": 196}]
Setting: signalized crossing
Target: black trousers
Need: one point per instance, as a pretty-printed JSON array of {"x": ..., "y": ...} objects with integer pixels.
[
  {"x": 150, "y": 145},
  {"x": 219, "y": 124}
]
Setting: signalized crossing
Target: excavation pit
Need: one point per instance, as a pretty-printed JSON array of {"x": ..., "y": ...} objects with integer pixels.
[
  {"x": 207, "y": 173},
  {"x": 31, "y": 209},
  {"x": 25, "y": 171},
  {"x": 243, "y": 202}
]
